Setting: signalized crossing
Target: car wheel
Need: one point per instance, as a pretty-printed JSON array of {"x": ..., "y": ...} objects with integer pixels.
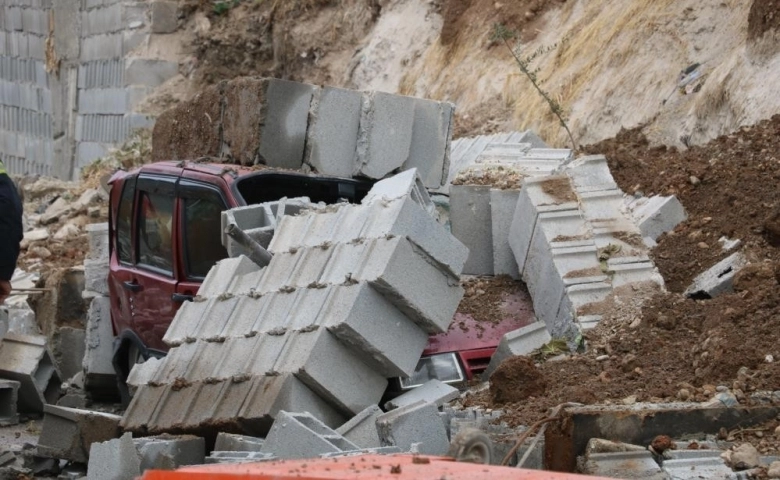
[
  {"x": 473, "y": 446},
  {"x": 135, "y": 357},
  {"x": 128, "y": 356}
]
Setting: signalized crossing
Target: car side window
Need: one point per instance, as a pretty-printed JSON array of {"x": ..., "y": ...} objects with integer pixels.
[
  {"x": 124, "y": 222},
  {"x": 155, "y": 222},
  {"x": 202, "y": 231}
]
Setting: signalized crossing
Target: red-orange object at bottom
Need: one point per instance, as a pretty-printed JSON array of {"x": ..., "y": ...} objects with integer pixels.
[{"x": 360, "y": 467}]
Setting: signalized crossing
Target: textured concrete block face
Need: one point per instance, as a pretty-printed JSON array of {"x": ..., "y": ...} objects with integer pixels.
[
  {"x": 385, "y": 134},
  {"x": 433, "y": 391},
  {"x": 25, "y": 359},
  {"x": 98, "y": 369},
  {"x": 68, "y": 433},
  {"x": 220, "y": 277},
  {"x": 98, "y": 241},
  {"x": 417, "y": 423},
  {"x": 190, "y": 130},
  {"x": 658, "y": 215},
  {"x": 502, "y": 212},
  {"x": 246, "y": 104},
  {"x": 471, "y": 224},
  {"x": 361, "y": 429},
  {"x": 9, "y": 395},
  {"x": 231, "y": 442},
  {"x": 407, "y": 183},
  {"x": 429, "y": 151},
  {"x": 591, "y": 173},
  {"x": 301, "y": 435},
  {"x": 69, "y": 350},
  {"x": 334, "y": 120},
  {"x": 718, "y": 279},
  {"x": 522, "y": 341},
  {"x": 164, "y": 17},
  {"x": 116, "y": 459},
  {"x": 96, "y": 276},
  {"x": 167, "y": 453}
]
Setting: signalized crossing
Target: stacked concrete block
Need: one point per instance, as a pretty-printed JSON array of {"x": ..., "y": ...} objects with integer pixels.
[
  {"x": 68, "y": 433},
  {"x": 300, "y": 435},
  {"x": 9, "y": 395},
  {"x": 361, "y": 429},
  {"x": 472, "y": 224},
  {"x": 432, "y": 391},
  {"x": 416, "y": 423},
  {"x": 26, "y": 359},
  {"x": 522, "y": 341},
  {"x": 656, "y": 215},
  {"x": 331, "y": 140},
  {"x": 356, "y": 302}
]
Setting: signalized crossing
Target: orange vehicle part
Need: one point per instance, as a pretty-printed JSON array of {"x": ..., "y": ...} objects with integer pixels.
[{"x": 359, "y": 467}]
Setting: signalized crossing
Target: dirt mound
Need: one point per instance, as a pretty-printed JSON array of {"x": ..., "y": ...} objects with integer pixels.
[
  {"x": 764, "y": 16},
  {"x": 515, "y": 380}
]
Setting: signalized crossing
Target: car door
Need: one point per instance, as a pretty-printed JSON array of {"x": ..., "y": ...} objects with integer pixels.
[{"x": 122, "y": 261}]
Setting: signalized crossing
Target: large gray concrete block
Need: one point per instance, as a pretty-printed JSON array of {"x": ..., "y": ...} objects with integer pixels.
[
  {"x": 170, "y": 452},
  {"x": 361, "y": 429},
  {"x": 718, "y": 279},
  {"x": 165, "y": 17},
  {"x": 657, "y": 215},
  {"x": 148, "y": 72},
  {"x": 101, "y": 47},
  {"x": 231, "y": 442},
  {"x": 590, "y": 173},
  {"x": 522, "y": 341},
  {"x": 472, "y": 224},
  {"x": 68, "y": 433},
  {"x": 98, "y": 241},
  {"x": 432, "y": 391},
  {"x": 98, "y": 369},
  {"x": 116, "y": 459},
  {"x": 406, "y": 183},
  {"x": 416, "y": 423},
  {"x": 9, "y": 397},
  {"x": 385, "y": 134},
  {"x": 502, "y": 212},
  {"x": 101, "y": 20},
  {"x": 101, "y": 74},
  {"x": 334, "y": 120},
  {"x": 301, "y": 435},
  {"x": 221, "y": 275},
  {"x": 429, "y": 151},
  {"x": 27, "y": 360},
  {"x": 96, "y": 276}
]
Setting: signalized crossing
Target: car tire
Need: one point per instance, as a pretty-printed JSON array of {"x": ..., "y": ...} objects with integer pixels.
[
  {"x": 473, "y": 446},
  {"x": 128, "y": 355}
]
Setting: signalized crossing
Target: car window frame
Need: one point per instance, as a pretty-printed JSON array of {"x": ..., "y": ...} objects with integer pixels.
[
  {"x": 188, "y": 186},
  {"x": 155, "y": 184}
]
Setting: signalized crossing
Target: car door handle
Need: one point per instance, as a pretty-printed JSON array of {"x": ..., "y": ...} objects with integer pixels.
[
  {"x": 180, "y": 297},
  {"x": 132, "y": 286}
]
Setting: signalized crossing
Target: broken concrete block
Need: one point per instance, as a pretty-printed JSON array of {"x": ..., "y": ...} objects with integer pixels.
[
  {"x": 590, "y": 173},
  {"x": 143, "y": 373},
  {"x": 26, "y": 359},
  {"x": 96, "y": 276},
  {"x": 73, "y": 400},
  {"x": 522, "y": 341},
  {"x": 170, "y": 452},
  {"x": 9, "y": 394},
  {"x": 639, "y": 465},
  {"x": 99, "y": 372},
  {"x": 331, "y": 141},
  {"x": 116, "y": 459},
  {"x": 231, "y": 442},
  {"x": 405, "y": 184},
  {"x": 657, "y": 215},
  {"x": 718, "y": 279},
  {"x": 239, "y": 457},
  {"x": 502, "y": 211},
  {"x": 97, "y": 233},
  {"x": 429, "y": 150},
  {"x": 471, "y": 224},
  {"x": 361, "y": 429},
  {"x": 69, "y": 348},
  {"x": 265, "y": 121},
  {"x": 300, "y": 435},
  {"x": 432, "y": 391},
  {"x": 385, "y": 134},
  {"x": 221, "y": 275},
  {"x": 416, "y": 423},
  {"x": 67, "y": 433}
]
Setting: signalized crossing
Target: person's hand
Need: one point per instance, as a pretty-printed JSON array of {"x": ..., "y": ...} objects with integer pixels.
[{"x": 5, "y": 290}]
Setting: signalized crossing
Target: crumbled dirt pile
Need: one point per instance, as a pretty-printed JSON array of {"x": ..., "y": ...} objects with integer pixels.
[
  {"x": 669, "y": 347},
  {"x": 498, "y": 177},
  {"x": 764, "y": 16},
  {"x": 515, "y": 380},
  {"x": 483, "y": 297}
]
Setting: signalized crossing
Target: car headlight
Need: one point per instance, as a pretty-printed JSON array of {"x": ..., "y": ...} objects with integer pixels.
[{"x": 444, "y": 367}]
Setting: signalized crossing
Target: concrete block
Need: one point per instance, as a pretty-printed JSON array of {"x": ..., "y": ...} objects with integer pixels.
[
  {"x": 239, "y": 457},
  {"x": 96, "y": 275},
  {"x": 429, "y": 151},
  {"x": 699, "y": 467},
  {"x": 265, "y": 121},
  {"x": 639, "y": 465},
  {"x": 98, "y": 369},
  {"x": 101, "y": 47},
  {"x": 331, "y": 140},
  {"x": 25, "y": 359},
  {"x": 406, "y": 183},
  {"x": 231, "y": 442},
  {"x": 165, "y": 17},
  {"x": 301, "y": 435},
  {"x": 69, "y": 348},
  {"x": 68, "y": 433},
  {"x": 170, "y": 452},
  {"x": 432, "y": 391},
  {"x": 590, "y": 173},
  {"x": 472, "y": 224},
  {"x": 103, "y": 101},
  {"x": 416, "y": 423},
  {"x": 502, "y": 212},
  {"x": 718, "y": 279},
  {"x": 385, "y": 134},
  {"x": 657, "y": 215},
  {"x": 522, "y": 341},
  {"x": 117, "y": 459},
  {"x": 361, "y": 429},
  {"x": 98, "y": 240},
  {"x": 101, "y": 20},
  {"x": 9, "y": 397},
  {"x": 147, "y": 72},
  {"x": 143, "y": 373},
  {"x": 219, "y": 278}
]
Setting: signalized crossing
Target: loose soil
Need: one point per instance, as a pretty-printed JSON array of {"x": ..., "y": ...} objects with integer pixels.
[{"x": 484, "y": 296}]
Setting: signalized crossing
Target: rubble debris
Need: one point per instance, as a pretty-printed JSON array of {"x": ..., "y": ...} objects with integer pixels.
[
  {"x": 432, "y": 391},
  {"x": 718, "y": 279},
  {"x": 742, "y": 457},
  {"x": 239, "y": 457},
  {"x": 361, "y": 429},
  {"x": 116, "y": 459},
  {"x": 300, "y": 435},
  {"x": 231, "y": 442},
  {"x": 516, "y": 379},
  {"x": 631, "y": 464},
  {"x": 522, "y": 341},
  {"x": 26, "y": 359},
  {"x": 169, "y": 452},
  {"x": 99, "y": 373},
  {"x": 68, "y": 433},
  {"x": 9, "y": 394},
  {"x": 416, "y": 423}
]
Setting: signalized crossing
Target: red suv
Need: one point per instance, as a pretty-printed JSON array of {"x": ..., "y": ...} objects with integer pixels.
[{"x": 165, "y": 235}]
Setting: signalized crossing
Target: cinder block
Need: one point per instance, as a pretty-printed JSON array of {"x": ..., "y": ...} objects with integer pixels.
[
  {"x": 170, "y": 452},
  {"x": 9, "y": 395},
  {"x": 98, "y": 369},
  {"x": 101, "y": 47},
  {"x": 68, "y": 433},
  {"x": 116, "y": 459},
  {"x": 331, "y": 142},
  {"x": 25, "y": 359},
  {"x": 220, "y": 276},
  {"x": 103, "y": 101},
  {"x": 231, "y": 442},
  {"x": 149, "y": 73},
  {"x": 432, "y": 391},
  {"x": 101, "y": 20},
  {"x": 96, "y": 276},
  {"x": 143, "y": 373},
  {"x": 69, "y": 350},
  {"x": 590, "y": 173},
  {"x": 265, "y": 121},
  {"x": 657, "y": 215},
  {"x": 429, "y": 150},
  {"x": 624, "y": 465},
  {"x": 522, "y": 341},
  {"x": 101, "y": 74},
  {"x": 502, "y": 212},
  {"x": 165, "y": 17},
  {"x": 406, "y": 183},
  {"x": 385, "y": 133},
  {"x": 301, "y": 435},
  {"x": 472, "y": 224},
  {"x": 361, "y": 429},
  {"x": 416, "y": 423},
  {"x": 98, "y": 241},
  {"x": 718, "y": 279}
]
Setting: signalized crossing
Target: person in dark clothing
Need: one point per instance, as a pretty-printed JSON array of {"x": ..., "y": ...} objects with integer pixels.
[{"x": 11, "y": 231}]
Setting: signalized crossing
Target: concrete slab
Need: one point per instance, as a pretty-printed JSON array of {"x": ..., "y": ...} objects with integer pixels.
[
  {"x": 416, "y": 423},
  {"x": 361, "y": 429},
  {"x": 385, "y": 134},
  {"x": 25, "y": 359},
  {"x": 432, "y": 391},
  {"x": 301, "y": 435},
  {"x": 471, "y": 221},
  {"x": 68, "y": 433}
]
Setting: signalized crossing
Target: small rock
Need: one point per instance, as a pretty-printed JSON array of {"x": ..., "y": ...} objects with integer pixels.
[
  {"x": 661, "y": 443},
  {"x": 721, "y": 388},
  {"x": 769, "y": 359},
  {"x": 41, "y": 252},
  {"x": 635, "y": 323},
  {"x": 684, "y": 394},
  {"x": 774, "y": 470},
  {"x": 36, "y": 235},
  {"x": 742, "y": 457},
  {"x": 694, "y": 180},
  {"x": 629, "y": 400},
  {"x": 703, "y": 245},
  {"x": 602, "y": 358},
  {"x": 777, "y": 432},
  {"x": 67, "y": 231}
]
